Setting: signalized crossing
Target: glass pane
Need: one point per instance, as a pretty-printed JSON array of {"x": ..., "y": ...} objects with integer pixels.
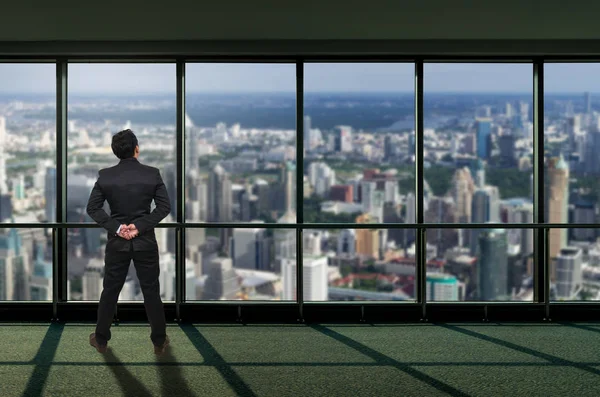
[
  {"x": 105, "y": 99},
  {"x": 480, "y": 265},
  {"x": 86, "y": 266},
  {"x": 358, "y": 264},
  {"x": 25, "y": 264},
  {"x": 27, "y": 143},
  {"x": 478, "y": 141},
  {"x": 240, "y": 142},
  {"x": 240, "y": 263},
  {"x": 359, "y": 142},
  {"x": 575, "y": 266},
  {"x": 571, "y": 145}
]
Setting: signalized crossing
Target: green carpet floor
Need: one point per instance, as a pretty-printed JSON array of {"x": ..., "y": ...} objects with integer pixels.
[{"x": 304, "y": 360}]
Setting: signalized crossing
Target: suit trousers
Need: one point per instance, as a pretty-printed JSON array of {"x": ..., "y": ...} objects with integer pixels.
[{"x": 116, "y": 267}]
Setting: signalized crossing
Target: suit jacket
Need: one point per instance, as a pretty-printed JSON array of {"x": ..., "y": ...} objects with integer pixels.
[{"x": 129, "y": 187}]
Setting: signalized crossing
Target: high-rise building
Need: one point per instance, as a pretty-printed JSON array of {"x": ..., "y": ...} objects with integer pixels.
[
  {"x": 367, "y": 240},
  {"x": 222, "y": 281},
  {"x": 220, "y": 199},
  {"x": 341, "y": 193},
  {"x": 372, "y": 199},
  {"x": 484, "y": 134},
  {"x": 288, "y": 181},
  {"x": 169, "y": 175},
  {"x": 314, "y": 278},
  {"x": 485, "y": 209},
  {"x": 584, "y": 212},
  {"x": 14, "y": 267},
  {"x": 308, "y": 141},
  {"x": 479, "y": 171},
  {"x": 462, "y": 190},
  {"x": 91, "y": 281},
  {"x": 568, "y": 272},
  {"x": 587, "y": 97},
  {"x": 250, "y": 249},
  {"x": 411, "y": 216},
  {"x": 506, "y": 142},
  {"x": 342, "y": 138},
  {"x": 522, "y": 214},
  {"x": 50, "y": 194},
  {"x": 524, "y": 111},
  {"x": 509, "y": 110},
  {"x": 191, "y": 144},
  {"x": 311, "y": 242},
  {"x": 492, "y": 265},
  {"x": 556, "y": 206},
  {"x": 346, "y": 242},
  {"x": 41, "y": 277},
  {"x": 592, "y": 148},
  {"x": 321, "y": 177},
  {"x": 441, "y": 287}
]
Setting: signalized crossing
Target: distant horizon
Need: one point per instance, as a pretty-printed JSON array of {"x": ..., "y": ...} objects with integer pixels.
[{"x": 165, "y": 93}]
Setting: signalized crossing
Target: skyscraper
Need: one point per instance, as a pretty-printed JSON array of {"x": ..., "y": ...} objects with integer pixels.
[
  {"x": 587, "y": 97},
  {"x": 250, "y": 249},
  {"x": 191, "y": 145},
  {"x": 493, "y": 265},
  {"x": 509, "y": 110},
  {"x": 485, "y": 209},
  {"x": 220, "y": 200},
  {"x": 484, "y": 130},
  {"x": 568, "y": 272},
  {"x": 388, "y": 147},
  {"x": 462, "y": 190},
  {"x": 314, "y": 278},
  {"x": 50, "y": 194},
  {"x": 506, "y": 142},
  {"x": 91, "y": 281},
  {"x": 367, "y": 240},
  {"x": 307, "y": 134},
  {"x": 15, "y": 271},
  {"x": 346, "y": 242},
  {"x": 222, "y": 281},
  {"x": 342, "y": 138},
  {"x": 557, "y": 201}
]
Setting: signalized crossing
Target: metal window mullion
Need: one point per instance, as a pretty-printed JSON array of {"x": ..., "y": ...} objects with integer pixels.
[
  {"x": 299, "y": 275},
  {"x": 421, "y": 259},
  {"x": 299, "y": 185},
  {"x": 541, "y": 279},
  {"x": 180, "y": 271},
  {"x": 59, "y": 290},
  {"x": 300, "y": 141}
]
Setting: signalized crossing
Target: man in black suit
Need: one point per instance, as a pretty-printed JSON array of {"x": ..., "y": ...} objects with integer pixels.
[{"x": 129, "y": 187}]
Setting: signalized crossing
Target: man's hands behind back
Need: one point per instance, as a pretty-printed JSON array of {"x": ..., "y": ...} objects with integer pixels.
[{"x": 128, "y": 231}]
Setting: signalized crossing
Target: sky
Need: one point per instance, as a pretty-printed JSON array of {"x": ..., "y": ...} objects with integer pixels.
[{"x": 318, "y": 77}]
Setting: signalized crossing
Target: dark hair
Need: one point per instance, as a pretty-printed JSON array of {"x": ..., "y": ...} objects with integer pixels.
[{"x": 124, "y": 143}]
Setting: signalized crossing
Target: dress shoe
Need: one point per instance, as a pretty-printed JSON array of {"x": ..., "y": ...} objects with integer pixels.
[
  {"x": 94, "y": 342},
  {"x": 161, "y": 348}
]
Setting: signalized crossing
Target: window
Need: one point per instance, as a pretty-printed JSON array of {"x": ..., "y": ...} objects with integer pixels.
[
  {"x": 105, "y": 99},
  {"x": 571, "y": 144},
  {"x": 255, "y": 263},
  {"x": 478, "y": 143},
  {"x": 25, "y": 264},
  {"x": 359, "y": 143},
  {"x": 27, "y": 143},
  {"x": 358, "y": 264},
  {"x": 240, "y": 130},
  {"x": 86, "y": 266}
]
